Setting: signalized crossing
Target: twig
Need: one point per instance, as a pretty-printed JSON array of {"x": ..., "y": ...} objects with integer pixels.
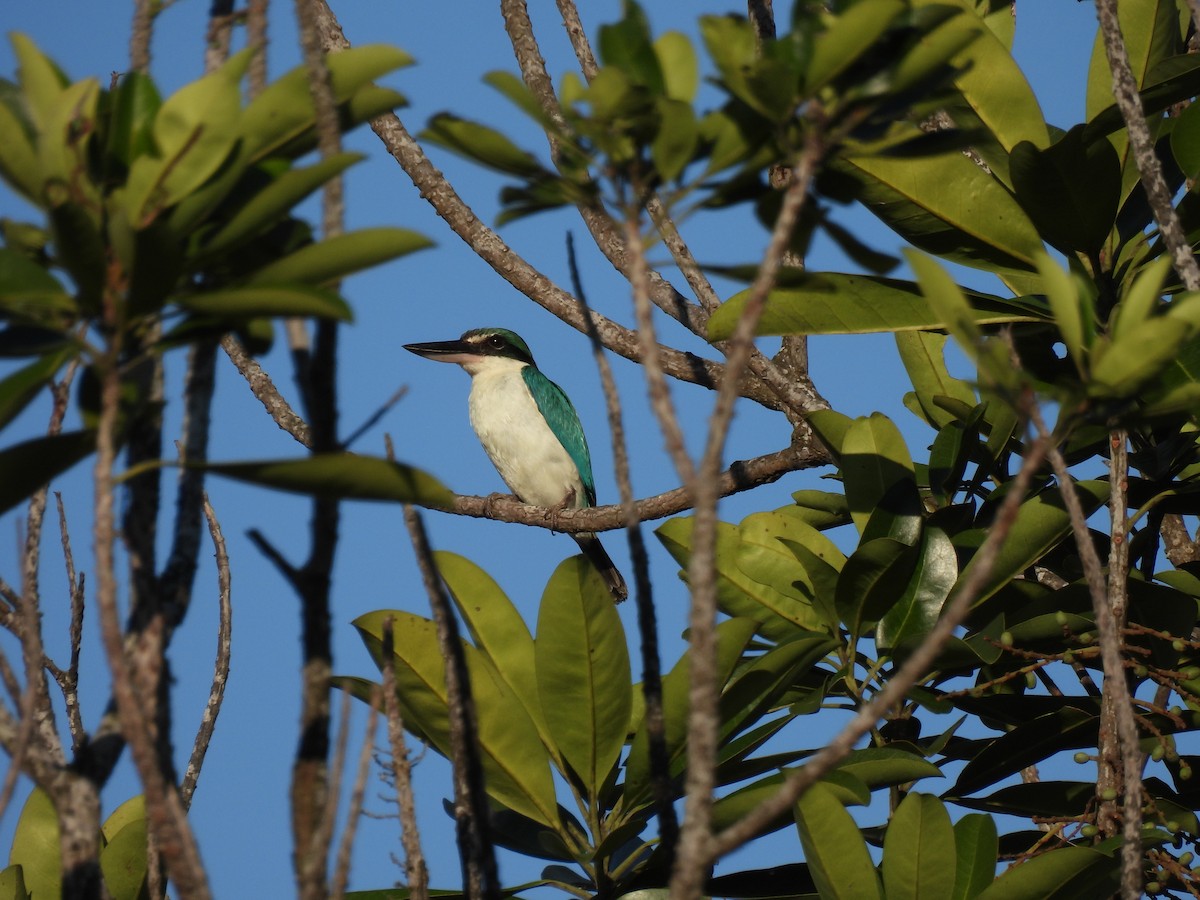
[
  {"x": 415, "y": 871},
  {"x": 69, "y": 685},
  {"x": 373, "y": 419},
  {"x": 256, "y": 38},
  {"x": 323, "y": 836},
  {"x": 471, "y": 809},
  {"x": 1125, "y": 93},
  {"x": 643, "y": 590},
  {"x": 265, "y": 391},
  {"x": 216, "y": 693},
  {"x": 914, "y": 668},
  {"x": 220, "y": 32},
  {"x": 139, "y": 36},
  {"x": 341, "y": 871}
]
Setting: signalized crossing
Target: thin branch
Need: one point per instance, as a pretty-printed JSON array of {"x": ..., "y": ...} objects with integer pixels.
[
  {"x": 341, "y": 871},
  {"x": 415, "y": 871},
  {"x": 256, "y": 38},
  {"x": 1125, "y": 93},
  {"x": 69, "y": 684},
  {"x": 471, "y": 810},
  {"x": 660, "y": 773},
  {"x": 220, "y": 32},
  {"x": 323, "y": 836},
  {"x": 265, "y": 391},
  {"x": 916, "y": 667},
  {"x": 216, "y": 693},
  {"x": 139, "y": 36}
]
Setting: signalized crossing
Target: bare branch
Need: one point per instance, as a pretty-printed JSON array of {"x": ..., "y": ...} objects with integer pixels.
[
  {"x": 416, "y": 873},
  {"x": 471, "y": 811},
  {"x": 341, "y": 872},
  {"x": 268, "y": 395},
  {"x": 256, "y": 38},
  {"x": 216, "y": 693},
  {"x": 139, "y": 37}
]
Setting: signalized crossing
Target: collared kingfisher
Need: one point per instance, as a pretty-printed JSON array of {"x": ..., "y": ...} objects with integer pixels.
[{"x": 528, "y": 428}]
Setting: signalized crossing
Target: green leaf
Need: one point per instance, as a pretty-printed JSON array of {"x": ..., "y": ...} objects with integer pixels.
[
  {"x": 482, "y": 145},
  {"x": 732, "y": 636},
  {"x": 19, "y": 388},
  {"x": 1071, "y": 190},
  {"x": 834, "y": 848},
  {"x": 35, "y": 846},
  {"x": 1143, "y": 296},
  {"x": 678, "y": 135},
  {"x": 778, "y": 615},
  {"x": 627, "y": 46},
  {"x": 831, "y": 427},
  {"x": 874, "y": 459},
  {"x": 340, "y": 476},
  {"x": 822, "y": 509},
  {"x": 135, "y": 103},
  {"x": 496, "y": 628},
  {"x": 833, "y": 303},
  {"x": 1137, "y": 356},
  {"x": 679, "y": 66},
  {"x": 583, "y": 673},
  {"x": 18, "y": 158},
  {"x": 759, "y": 687},
  {"x": 283, "y": 113},
  {"x": 916, "y": 612},
  {"x": 976, "y": 850},
  {"x": 948, "y": 206},
  {"x": 31, "y": 464},
  {"x": 12, "y": 884},
  {"x": 42, "y": 82},
  {"x": 1041, "y": 798},
  {"x": 123, "y": 858},
  {"x": 850, "y": 36},
  {"x": 1185, "y": 143},
  {"x": 918, "y": 851},
  {"x": 1027, "y": 745},
  {"x": 764, "y": 557},
  {"x": 879, "y": 767},
  {"x": 1068, "y": 873},
  {"x": 267, "y": 300},
  {"x": 924, "y": 358},
  {"x": 336, "y": 257},
  {"x": 872, "y": 582},
  {"x": 1041, "y": 524},
  {"x": 268, "y": 205},
  {"x": 516, "y": 767}
]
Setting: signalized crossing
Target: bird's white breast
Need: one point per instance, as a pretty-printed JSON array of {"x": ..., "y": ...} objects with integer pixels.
[{"x": 526, "y": 453}]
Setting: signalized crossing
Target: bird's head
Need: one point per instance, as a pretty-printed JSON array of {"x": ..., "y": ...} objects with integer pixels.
[{"x": 478, "y": 350}]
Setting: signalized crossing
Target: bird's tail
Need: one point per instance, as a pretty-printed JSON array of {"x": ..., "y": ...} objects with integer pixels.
[{"x": 595, "y": 552}]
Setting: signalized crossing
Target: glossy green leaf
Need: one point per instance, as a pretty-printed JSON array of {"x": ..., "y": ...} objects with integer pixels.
[
  {"x": 948, "y": 458},
  {"x": 879, "y": 767},
  {"x": 916, "y": 612},
  {"x": 679, "y": 66},
  {"x": 1073, "y": 311},
  {"x": 732, "y": 636},
  {"x": 336, "y": 257},
  {"x": 976, "y": 850},
  {"x": 583, "y": 673},
  {"x": 832, "y": 303},
  {"x": 1027, "y": 745},
  {"x": 831, "y": 427},
  {"x": 1067, "y": 873},
  {"x": 735, "y": 806},
  {"x": 918, "y": 851},
  {"x": 1185, "y": 143},
  {"x": 764, "y": 557},
  {"x": 1143, "y": 296},
  {"x": 1150, "y": 32},
  {"x": 267, "y": 300},
  {"x": 948, "y": 206},
  {"x": 923, "y": 354},
  {"x": 273, "y": 202},
  {"x": 135, "y": 103},
  {"x": 35, "y": 846},
  {"x": 515, "y": 764},
  {"x": 341, "y": 476},
  {"x": 1137, "y": 356},
  {"x": 1071, "y": 190},
  {"x": 26, "y": 467},
  {"x": 874, "y": 459},
  {"x": 1039, "y": 798},
  {"x": 1041, "y": 524},
  {"x": 822, "y": 509},
  {"x": 872, "y": 581},
  {"x": 496, "y": 628},
  {"x": 834, "y": 848},
  {"x": 759, "y": 687},
  {"x": 778, "y": 615},
  {"x": 64, "y": 144}
]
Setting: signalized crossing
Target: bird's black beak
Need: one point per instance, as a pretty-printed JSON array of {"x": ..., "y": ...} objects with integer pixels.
[{"x": 444, "y": 351}]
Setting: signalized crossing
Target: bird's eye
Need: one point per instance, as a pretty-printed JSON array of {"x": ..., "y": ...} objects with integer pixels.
[{"x": 495, "y": 342}]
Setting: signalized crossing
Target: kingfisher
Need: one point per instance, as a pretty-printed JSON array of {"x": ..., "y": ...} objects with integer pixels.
[{"x": 529, "y": 429}]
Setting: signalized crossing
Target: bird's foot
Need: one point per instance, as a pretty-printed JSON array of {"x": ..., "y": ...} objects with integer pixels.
[
  {"x": 489, "y": 503},
  {"x": 567, "y": 502}
]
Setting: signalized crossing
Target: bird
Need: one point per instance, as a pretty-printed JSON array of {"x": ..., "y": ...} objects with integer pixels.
[{"x": 529, "y": 430}]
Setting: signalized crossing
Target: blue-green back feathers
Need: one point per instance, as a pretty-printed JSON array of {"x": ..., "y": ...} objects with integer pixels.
[{"x": 560, "y": 415}]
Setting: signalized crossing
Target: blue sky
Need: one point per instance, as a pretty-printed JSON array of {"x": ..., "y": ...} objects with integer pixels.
[{"x": 240, "y": 812}]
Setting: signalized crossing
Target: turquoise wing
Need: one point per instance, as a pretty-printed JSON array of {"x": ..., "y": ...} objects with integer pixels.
[{"x": 560, "y": 415}]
